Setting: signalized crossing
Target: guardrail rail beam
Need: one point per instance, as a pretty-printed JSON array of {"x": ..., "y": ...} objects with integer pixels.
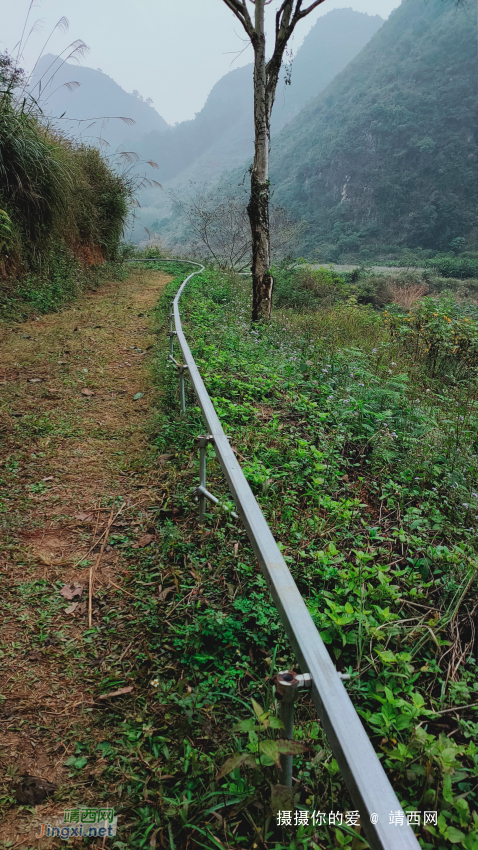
[{"x": 384, "y": 823}]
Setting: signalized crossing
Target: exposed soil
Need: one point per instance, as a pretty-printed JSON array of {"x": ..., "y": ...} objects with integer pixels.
[{"x": 76, "y": 407}]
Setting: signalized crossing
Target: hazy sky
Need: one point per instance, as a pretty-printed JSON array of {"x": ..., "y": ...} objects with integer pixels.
[{"x": 170, "y": 50}]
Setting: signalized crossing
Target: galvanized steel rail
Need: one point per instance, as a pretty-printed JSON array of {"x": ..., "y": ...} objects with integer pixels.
[{"x": 381, "y": 816}]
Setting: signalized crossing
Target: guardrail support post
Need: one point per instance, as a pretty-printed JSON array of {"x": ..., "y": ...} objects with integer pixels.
[
  {"x": 182, "y": 394},
  {"x": 171, "y": 335},
  {"x": 203, "y": 444},
  {"x": 287, "y": 685}
]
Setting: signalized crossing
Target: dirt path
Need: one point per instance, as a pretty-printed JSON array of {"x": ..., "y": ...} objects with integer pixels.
[{"x": 76, "y": 404}]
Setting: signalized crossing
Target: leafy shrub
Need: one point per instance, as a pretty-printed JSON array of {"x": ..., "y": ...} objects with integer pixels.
[
  {"x": 365, "y": 468},
  {"x": 451, "y": 266},
  {"x": 301, "y": 286},
  {"x": 60, "y": 201},
  {"x": 440, "y": 330}
]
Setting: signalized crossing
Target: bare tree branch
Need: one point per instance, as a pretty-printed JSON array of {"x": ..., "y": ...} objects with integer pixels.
[
  {"x": 310, "y": 8},
  {"x": 239, "y": 9}
]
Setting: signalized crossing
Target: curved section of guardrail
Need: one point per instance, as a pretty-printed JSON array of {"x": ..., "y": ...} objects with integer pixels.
[{"x": 381, "y": 816}]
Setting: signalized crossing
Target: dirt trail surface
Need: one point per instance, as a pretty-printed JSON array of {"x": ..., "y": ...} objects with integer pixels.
[{"x": 76, "y": 406}]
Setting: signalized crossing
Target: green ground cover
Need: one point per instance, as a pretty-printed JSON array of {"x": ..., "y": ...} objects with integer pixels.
[
  {"x": 363, "y": 459},
  {"x": 359, "y": 442}
]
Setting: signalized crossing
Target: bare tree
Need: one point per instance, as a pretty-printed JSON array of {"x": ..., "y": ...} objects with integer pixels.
[
  {"x": 266, "y": 76},
  {"x": 219, "y": 222}
]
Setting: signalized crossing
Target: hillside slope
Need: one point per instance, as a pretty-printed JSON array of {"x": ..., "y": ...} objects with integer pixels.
[
  {"x": 221, "y": 136},
  {"x": 97, "y": 97},
  {"x": 224, "y": 127},
  {"x": 334, "y": 40},
  {"x": 387, "y": 155},
  {"x": 226, "y": 114}
]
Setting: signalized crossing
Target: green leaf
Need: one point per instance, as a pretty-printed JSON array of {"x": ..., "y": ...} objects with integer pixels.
[
  {"x": 275, "y": 722},
  {"x": 471, "y": 841},
  {"x": 387, "y": 656},
  {"x": 454, "y": 836},
  {"x": 269, "y": 748},
  {"x": 138, "y": 396},
  {"x": 232, "y": 762},
  {"x": 403, "y": 721},
  {"x": 447, "y": 791},
  {"x": 258, "y": 711},
  {"x": 245, "y": 725},
  {"x": 76, "y": 762}
]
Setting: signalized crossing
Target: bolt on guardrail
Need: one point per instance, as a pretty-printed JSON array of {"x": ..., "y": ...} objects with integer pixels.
[{"x": 385, "y": 825}]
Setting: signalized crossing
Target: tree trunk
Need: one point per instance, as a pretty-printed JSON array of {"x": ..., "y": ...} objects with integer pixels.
[
  {"x": 258, "y": 207},
  {"x": 266, "y": 76}
]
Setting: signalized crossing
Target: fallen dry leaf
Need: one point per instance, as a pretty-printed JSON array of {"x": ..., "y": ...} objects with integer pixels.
[
  {"x": 164, "y": 593},
  {"x": 34, "y": 656},
  {"x": 83, "y": 516},
  {"x": 76, "y": 607},
  {"x": 48, "y": 478},
  {"x": 45, "y": 558},
  {"x": 164, "y": 458},
  {"x": 87, "y": 392},
  {"x": 69, "y": 591},
  {"x": 143, "y": 541},
  {"x": 117, "y": 693},
  {"x": 35, "y": 380}
]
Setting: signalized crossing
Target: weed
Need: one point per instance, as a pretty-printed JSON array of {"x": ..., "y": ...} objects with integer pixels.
[{"x": 367, "y": 484}]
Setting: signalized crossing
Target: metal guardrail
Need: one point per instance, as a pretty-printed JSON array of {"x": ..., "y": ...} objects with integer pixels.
[{"x": 381, "y": 816}]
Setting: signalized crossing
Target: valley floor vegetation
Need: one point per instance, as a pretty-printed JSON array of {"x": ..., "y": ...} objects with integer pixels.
[
  {"x": 357, "y": 431},
  {"x": 354, "y": 416},
  {"x": 62, "y": 207}
]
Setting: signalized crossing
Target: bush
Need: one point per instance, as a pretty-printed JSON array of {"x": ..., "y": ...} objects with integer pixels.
[
  {"x": 439, "y": 330},
  {"x": 462, "y": 267},
  {"x": 60, "y": 202},
  {"x": 302, "y": 287}
]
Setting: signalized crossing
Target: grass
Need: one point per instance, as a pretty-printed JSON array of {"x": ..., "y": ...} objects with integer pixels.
[
  {"x": 362, "y": 464},
  {"x": 67, "y": 280},
  {"x": 62, "y": 207}
]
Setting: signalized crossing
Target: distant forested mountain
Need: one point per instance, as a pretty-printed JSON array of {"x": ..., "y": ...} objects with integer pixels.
[
  {"x": 331, "y": 44},
  {"x": 93, "y": 108},
  {"x": 221, "y": 135},
  {"x": 386, "y": 155}
]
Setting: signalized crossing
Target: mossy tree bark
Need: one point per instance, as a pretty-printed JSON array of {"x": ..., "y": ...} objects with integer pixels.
[{"x": 266, "y": 76}]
